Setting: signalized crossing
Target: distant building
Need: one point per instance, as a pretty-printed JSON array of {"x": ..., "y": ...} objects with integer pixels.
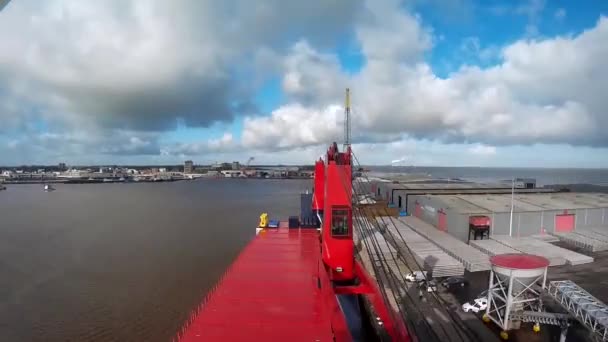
[
  {"x": 188, "y": 166},
  {"x": 236, "y": 165},
  {"x": 162, "y": 170},
  {"x": 62, "y": 167},
  {"x": 525, "y": 183}
]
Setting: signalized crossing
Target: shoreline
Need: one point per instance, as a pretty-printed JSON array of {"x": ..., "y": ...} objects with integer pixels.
[{"x": 102, "y": 181}]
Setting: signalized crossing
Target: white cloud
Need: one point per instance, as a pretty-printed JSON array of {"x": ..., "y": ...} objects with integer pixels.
[
  {"x": 115, "y": 73},
  {"x": 482, "y": 150},
  {"x": 531, "y": 8},
  {"x": 58, "y": 146},
  {"x": 530, "y": 97},
  {"x": 146, "y": 64},
  {"x": 225, "y": 143},
  {"x": 311, "y": 76},
  {"x": 293, "y": 126},
  {"x": 386, "y": 33}
]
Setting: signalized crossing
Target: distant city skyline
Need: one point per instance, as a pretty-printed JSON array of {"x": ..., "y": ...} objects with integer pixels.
[{"x": 434, "y": 83}]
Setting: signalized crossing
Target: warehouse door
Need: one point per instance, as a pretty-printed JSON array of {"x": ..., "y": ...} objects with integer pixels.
[
  {"x": 442, "y": 220},
  {"x": 399, "y": 202},
  {"x": 564, "y": 223}
]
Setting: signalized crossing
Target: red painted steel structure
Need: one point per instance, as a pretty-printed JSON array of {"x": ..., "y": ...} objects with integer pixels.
[
  {"x": 284, "y": 285},
  {"x": 442, "y": 220},
  {"x": 318, "y": 196},
  {"x": 479, "y": 221},
  {"x": 271, "y": 293},
  {"x": 337, "y": 232}
]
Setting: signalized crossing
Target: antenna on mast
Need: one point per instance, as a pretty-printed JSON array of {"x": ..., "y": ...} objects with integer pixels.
[{"x": 347, "y": 120}]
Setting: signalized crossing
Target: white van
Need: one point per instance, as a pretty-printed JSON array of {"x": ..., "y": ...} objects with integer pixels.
[{"x": 416, "y": 276}]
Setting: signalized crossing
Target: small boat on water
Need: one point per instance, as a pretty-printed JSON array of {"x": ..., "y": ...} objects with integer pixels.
[
  {"x": 2, "y": 187},
  {"x": 48, "y": 188}
]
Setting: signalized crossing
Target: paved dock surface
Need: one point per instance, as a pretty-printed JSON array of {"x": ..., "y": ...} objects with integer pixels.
[{"x": 421, "y": 308}]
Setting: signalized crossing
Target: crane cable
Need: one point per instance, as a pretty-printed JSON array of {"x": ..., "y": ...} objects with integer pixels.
[
  {"x": 384, "y": 265},
  {"x": 457, "y": 321},
  {"x": 405, "y": 289}
]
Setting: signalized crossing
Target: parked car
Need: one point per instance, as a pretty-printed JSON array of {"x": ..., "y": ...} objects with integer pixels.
[
  {"x": 477, "y": 305},
  {"x": 428, "y": 285},
  {"x": 452, "y": 282},
  {"x": 416, "y": 276}
]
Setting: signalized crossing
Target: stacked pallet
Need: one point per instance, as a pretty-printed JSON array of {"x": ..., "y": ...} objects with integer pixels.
[
  {"x": 428, "y": 255},
  {"x": 592, "y": 235},
  {"x": 545, "y": 237},
  {"x": 532, "y": 246},
  {"x": 556, "y": 255},
  {"x": 492, "y": 247},
  {"x": 389, "y": 255},
  {"x": 602, "y": 230},
  {"x": 581, "y": 241},
  {"x": 472, "y": 259}
]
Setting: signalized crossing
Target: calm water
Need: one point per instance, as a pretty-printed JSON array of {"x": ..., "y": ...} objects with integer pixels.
[{"x": 122, "y": 262}]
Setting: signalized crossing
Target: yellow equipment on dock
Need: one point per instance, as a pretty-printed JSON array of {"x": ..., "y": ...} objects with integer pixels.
[{"x": 263, "y": 220}]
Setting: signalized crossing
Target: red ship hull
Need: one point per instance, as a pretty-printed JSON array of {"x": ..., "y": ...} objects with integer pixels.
[{"x": 300, "y": 284}]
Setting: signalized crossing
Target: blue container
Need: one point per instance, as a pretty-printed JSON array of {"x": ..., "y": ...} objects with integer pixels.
[{"x": 294, "y": 222}]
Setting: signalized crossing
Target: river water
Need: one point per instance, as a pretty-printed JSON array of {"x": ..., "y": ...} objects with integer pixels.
[
  {"x": 123, "y": 262},
  {"x": 127, "y": 262}
]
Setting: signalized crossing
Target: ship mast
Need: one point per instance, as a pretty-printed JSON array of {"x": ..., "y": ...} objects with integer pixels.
[{"x": 347, "y": 120}]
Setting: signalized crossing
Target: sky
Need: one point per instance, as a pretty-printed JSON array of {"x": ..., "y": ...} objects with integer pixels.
[{"x": 433, "y": 83}]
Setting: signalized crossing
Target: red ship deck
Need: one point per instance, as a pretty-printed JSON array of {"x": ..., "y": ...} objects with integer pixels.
[{"x": 272, "y": 292}]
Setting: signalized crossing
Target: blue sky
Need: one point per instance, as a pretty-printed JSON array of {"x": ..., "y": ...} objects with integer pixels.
[{"x": 453, "y": 83}]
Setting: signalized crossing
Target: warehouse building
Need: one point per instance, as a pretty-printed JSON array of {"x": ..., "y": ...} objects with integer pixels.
[
  {"x": 533, "y": 213},
  {"x": 398, "y": 193}
]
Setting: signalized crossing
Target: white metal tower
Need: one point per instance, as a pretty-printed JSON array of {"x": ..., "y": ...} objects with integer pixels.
[{"x": 513, "y": 288}]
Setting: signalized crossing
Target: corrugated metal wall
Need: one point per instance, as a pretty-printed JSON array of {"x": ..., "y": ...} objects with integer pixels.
[
  {"x": 588, "y": 217},
  {"x": 524, "y": 223},
  {"x": 457, "y": 224}
]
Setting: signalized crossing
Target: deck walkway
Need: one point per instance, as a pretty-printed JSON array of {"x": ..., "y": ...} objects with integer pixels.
[{"x": 274, "y": 279}]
